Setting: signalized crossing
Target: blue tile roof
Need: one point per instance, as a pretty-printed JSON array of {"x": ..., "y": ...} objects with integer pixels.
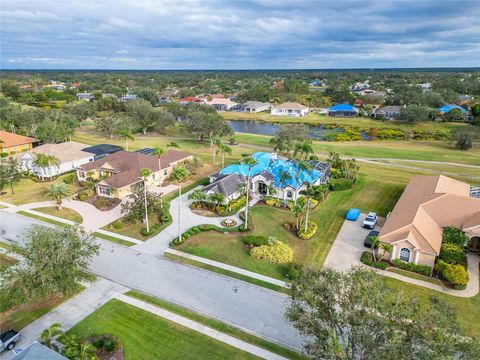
[
  {"x": 266, "y": 162},
  {"x": 343, "y": 107},
  {"x": 446, "y": 108}
]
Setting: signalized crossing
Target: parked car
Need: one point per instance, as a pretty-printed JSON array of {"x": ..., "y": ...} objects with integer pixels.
[
  {"x": 368, "y": 243},
  {"x": 8, "y": 339},
  {"x": 370, "y": 221},
  {"x": 352, "y": 214}
]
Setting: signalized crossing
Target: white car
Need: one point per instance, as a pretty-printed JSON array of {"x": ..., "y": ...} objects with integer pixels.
[{"x": 370, "y": 221}]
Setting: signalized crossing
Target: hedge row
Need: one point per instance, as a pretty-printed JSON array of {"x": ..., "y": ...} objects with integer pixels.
[
  {"x": 206, "y": 227},
  {"x": 234, "y": 206},
  {"x": 420, "y": 269},
  {"x": 365, "y": 259}
]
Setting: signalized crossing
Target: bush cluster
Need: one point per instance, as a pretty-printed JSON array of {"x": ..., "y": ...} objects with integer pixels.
[
  {"x": 341, "y": 184},
  {"x": 82, "y": 196},
  {"x": 205, "y": 227},
  {"x": 118, "y": 225},
  {"x": 233, "y": 206},
  {"x": 107, "y": 343},
  {"x": 365, "y": 259},
  {"x": 420, "y": 269},
  {"x": 276, "y": 253},
  {"x": 270, "y": 201},
  {"x": 153, "y": 229},
  {"x": 100, "y": 203},
  {"x": 70, "y": 178},
  {"x": 254, "y": 240},
  {"x": 452, "y": 254},
  {"x": 453, "y": 235},
  {"x": 311, "y": 230},
  {"x": 292, "y": 271},
  {"x": 453, "y": 273}
]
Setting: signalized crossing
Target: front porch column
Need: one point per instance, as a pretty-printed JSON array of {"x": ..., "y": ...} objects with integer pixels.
[
  {"x": 417, "y": 255},
  {"x": 394, "y": 250}
]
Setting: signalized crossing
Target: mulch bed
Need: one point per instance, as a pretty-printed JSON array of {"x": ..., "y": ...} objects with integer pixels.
[{"x": 110, "y": 203}]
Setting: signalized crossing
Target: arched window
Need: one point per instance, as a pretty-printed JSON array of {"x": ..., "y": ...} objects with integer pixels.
[
  {"x": 405, "y": 254},
  {"x": 289, "y": 194}
]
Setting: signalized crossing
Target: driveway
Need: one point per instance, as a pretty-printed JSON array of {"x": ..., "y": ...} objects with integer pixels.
[{"x": 348, "y": 247}]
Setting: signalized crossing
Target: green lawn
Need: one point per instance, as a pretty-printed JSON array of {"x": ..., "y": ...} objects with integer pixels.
[
  {"x": 217, "y": 325},
  {"x": 41, "y": 218},
  {"x": 64, "y": 213},
  {"x": 416, "y": 276},
  {"x": 147, "y": 336},
  {"x": 378, "y": 192},
  {"x": 468, "y": 309},
  {"x": 28, "y": 191},
  {"x": 20, "y": 316}
]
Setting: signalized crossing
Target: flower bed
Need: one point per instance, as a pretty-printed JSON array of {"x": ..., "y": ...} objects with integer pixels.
[
  {"x": 275, "y": 253},
  {"x": 420, "y": 269},
  {"x": 366, "y": 259},
  {"x": 311, "y": 230},
  {"x": 229, "y": 223},
  {"x": 205, "y": 227}
]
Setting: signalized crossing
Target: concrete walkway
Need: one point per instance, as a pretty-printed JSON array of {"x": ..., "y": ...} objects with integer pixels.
[
  {"x": 71, "y": 311},
  {"x": 157, "y": 244},
  {"x": 228, "y": 267},
  {"x": 195, "y": 326}
]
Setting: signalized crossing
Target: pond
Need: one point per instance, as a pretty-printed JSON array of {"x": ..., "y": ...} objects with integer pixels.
[{"x": 318, "y": 132}]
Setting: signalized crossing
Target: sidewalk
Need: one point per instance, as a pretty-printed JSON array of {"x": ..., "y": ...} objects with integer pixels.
[
  {"x": 228, "y": 267},
  {"x": 193, "y": 325},
  {"x": 71, "y": 311}
]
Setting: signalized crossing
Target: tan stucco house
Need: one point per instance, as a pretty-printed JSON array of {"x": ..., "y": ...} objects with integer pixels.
[
  {"x": 11, "y": 143},
  {"x": 120, "y": 171},
  {"x": 427, "y": 206}
]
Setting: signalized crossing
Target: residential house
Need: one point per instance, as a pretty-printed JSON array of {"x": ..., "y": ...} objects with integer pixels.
[
  {"x": 119, "y": 173},
  {"x": 387, "y": 112},
  {"x": 426, "y": 87},
  {"x": 102, "y": 150},
  {"x": 85, "y": 96},
  {"x": 428, "y": 205},
  {"x": 36, "y": 351},
  {"x": 252, "y": 106},
  {"x": 11, "y": 143},
  {"x": 445, "y": 110},
  {"x": 266, "y": 175},
  {"x": 217, "y": 96},
  {"x": 221, "y": 104},
  {"x": 229, "y": 185},
  {"x": 129, "y": 97},
  {"x": 70, "y": 155},
  {"x": 343, "y": 110},
  {"x": 190, "y": 99},
  {"x": 290, "y": 109},
  {"x": 75, "y": 85}
]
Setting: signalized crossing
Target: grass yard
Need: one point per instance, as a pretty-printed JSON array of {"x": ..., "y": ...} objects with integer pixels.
[
  {"x": 467, "y": 309},
  {"x": 377, "y": 189},
  {"x": 217, "y": 325},
  {"x": 29, "y": 191},
  {"x": 113, "y": 238},
  {"x": 6, "y": 261},
  {"x": 41, "y": 218},
  {"x": 64, "y": 213},
  {"x": 20, "y": 316},
  {"x": 147, "y": 336},
  {"x": 415, "y": 276}
]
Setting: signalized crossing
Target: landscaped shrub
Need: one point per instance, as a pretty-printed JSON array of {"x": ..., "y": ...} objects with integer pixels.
[
  {"x": 166, "y": 218},
  {"x": 420, "y": 269},
  {"x": 206, "y": 227},
  {"x": 452, "y": 254},
  {"x": 107, "y": 343},
  {"x": 313, "y": 203},
  {"x": 341, "y": 184},
  {"x": 453, "y": 235},
  {"x": 311, "y": 230},
  {"x": 70, "y": 178},
  {"x": 365, "y": 259},
  {"x": 456, "y": 275},
  {"x": 82, "y": 196},
  {"x": 254, "y": 240},
  {"x": 293, "y": 271},
  {"x": 232, "y": 207},
  {"x": 118, "y": 225},
  {"x": 144, "y": 232},
  {"x": 271, "y": 202},
  {"x": 276, "y": 253},
  {"x": 229, "y": 223},
  {"x": 100, "y": 203}
]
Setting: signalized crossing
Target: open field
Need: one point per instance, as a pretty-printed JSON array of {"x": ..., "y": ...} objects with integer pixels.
[
  {"x": 28, "y": 191},
  {"x": 20, "y": 316},
  {"x": 467, "y": 309},
  {"x": 217, "y": 325},
  {"x": 314, "y": 118},
  {"x": 64, "y": 213},
  {"x": 147, "y": 336}
]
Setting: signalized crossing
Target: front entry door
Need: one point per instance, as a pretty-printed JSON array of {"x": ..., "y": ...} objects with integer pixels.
[{"x": 262, "y": 188}]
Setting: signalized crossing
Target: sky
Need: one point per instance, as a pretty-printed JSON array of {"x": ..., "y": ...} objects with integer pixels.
[{"x": 247, "y": 34}]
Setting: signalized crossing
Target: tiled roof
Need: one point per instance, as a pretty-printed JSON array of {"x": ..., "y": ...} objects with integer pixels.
[
  {"x": 291, "y": 106},
  {"x": 67, "y": 151},
  {"x": 343, "y": 107},
  {"x": 10, "y": 139},
  {"x": 225, "y": 184}
]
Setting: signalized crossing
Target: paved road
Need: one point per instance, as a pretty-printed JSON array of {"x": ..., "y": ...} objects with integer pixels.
[{"x": 252, "y": 308}]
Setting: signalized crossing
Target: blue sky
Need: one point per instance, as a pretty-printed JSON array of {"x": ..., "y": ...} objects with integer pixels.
[{"x": 203, "y": 34}]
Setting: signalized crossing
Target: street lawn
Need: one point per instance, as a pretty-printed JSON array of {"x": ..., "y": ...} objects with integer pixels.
[
  {"x": 314, "y": 118},
  {"x": 41, "y": 218},
  {"x": 217, "y": 325},
  {"x": 467, "y": 309},
  {"x": 64, "y": 213},
  {"x": 22, "y": 315},
  {"x": 147, "y": 336},
  {"x": 377, "y": 189},
  {"x": 29, "y": 191},
  {"x": 113, "y": 238},
  {"x": 6, "y": 261}
]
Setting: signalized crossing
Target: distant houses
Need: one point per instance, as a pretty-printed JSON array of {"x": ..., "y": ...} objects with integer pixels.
[
  {"x": 11, "y": 143},
  {"x": 290, "y": 109},
  {"x": 85, "y": 96},
  {"x": 221, "y": 104},
  {"x": 387, "y": 112},
  {"x": 252, "y": 107},
  {"x": 129, "y": 97},
  {"x": 190, "y": 99},
  {"x": 343, "y": 110}
]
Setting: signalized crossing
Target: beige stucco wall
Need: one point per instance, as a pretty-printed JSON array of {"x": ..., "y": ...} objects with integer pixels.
[{"x": 423, "y": 258}]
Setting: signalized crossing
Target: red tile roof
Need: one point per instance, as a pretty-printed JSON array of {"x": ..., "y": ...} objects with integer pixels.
[{"x": 10, "y": 139}]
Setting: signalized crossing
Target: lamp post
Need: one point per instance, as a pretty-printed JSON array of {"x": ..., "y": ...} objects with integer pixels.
[{"x": 179, "y": 208}]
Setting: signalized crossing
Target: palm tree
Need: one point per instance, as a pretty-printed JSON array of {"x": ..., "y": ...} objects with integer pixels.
[
  {"x": 298, "y": 209},
  {"x": 87, "y": 351},
  {"x": 173, "y": 144},
  {"x": 224, "y": 148},
  {"x": 144, "y": 174},
  {"x": 216, "y": 143},
  {"x": 387, "y": 248},
  {"x": 126, "y": 135},
  {"x": 301, "y": 166},
  {"x": 160, "y": 151},
  {"x": 57, "y": 192},
  {"x": 250, "y": 162},
  {"x": 284, "y": 176},
  {"x": 304, "y": 148},
  {"x": 48, "y": 336},
  {"x": 44, "y": 162},
  {"x": 375, "y": 241},
  {"x": 308, "y": 192},
  {"x": 197, "y": 196}
]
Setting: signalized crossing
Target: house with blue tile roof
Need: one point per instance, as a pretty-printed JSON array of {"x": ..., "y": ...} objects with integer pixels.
[
  {"x": 267, "y": 174},
  {"x": 343, "y": 110}
]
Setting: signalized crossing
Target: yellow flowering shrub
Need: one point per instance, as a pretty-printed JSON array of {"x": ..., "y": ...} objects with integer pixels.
[{"x": 276, "y": 253}]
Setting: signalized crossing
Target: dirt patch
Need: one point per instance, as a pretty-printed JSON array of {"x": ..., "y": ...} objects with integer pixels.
[
  {"x": 204, "y": 212},
  {"x": 103, "y": 203}
]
